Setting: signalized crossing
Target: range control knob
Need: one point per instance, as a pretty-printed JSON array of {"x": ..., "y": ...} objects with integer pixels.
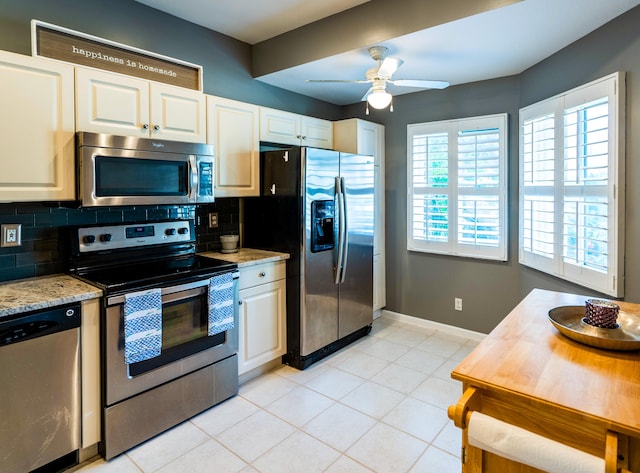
[
  {"x": 170, "y": 231},
  {"x": 88, "y": 239},
  {"x": 105, "y": 237},
  {"x": 183, "y": 230}
]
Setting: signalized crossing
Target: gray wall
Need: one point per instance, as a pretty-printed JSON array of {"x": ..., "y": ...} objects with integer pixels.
[
  {"x": 226, "y": 62},
  {"x": 425, "y": 285}
]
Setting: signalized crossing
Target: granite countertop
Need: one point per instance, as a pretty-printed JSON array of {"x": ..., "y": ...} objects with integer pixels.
[
  {"x": 43, "y": 292},
  {"x": 247, "y": 256}
]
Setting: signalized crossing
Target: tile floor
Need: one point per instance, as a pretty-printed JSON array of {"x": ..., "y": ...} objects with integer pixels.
[{"x": 378, "y": 405}]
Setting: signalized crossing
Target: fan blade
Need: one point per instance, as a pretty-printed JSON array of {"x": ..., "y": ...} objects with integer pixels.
[
  {"x": 364, "y": 97},
  {"x": 427, "y": 84},
  {"x": 339, "y": 81},
  {"x": 388, "y": 67}
]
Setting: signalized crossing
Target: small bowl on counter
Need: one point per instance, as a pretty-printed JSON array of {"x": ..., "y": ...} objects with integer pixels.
[{"x": 229, "y": 243}]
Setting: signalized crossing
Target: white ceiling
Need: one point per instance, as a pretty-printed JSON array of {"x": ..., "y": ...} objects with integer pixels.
[{"x": 496, "y": 43}]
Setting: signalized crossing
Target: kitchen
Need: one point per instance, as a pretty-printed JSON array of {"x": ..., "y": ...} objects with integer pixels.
[{"x": 417, "y": 284}]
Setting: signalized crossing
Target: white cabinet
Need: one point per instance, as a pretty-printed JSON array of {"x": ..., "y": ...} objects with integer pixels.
[
  {"x": 363, "y": 137},
  {"x": 379, "y": 282},
  {"x": 36, "y": 129},
  {"x": 90, "y": 374},
  {"x": 262, "y": 320},
  {"x": 234, "y": 129},
  {"x": 278, "y": 126},
  {"x": 122, "y": 105}
]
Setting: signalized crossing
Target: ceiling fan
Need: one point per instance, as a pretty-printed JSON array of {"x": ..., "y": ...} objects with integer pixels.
[{"x": 377, "y": 96}]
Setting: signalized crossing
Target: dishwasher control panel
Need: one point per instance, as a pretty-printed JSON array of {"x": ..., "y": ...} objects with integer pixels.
[{"x": 30, "y": 325}]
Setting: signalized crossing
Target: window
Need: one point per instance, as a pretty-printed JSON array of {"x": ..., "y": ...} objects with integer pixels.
[
  {"x": 571, "y": 185},
  {"x": 457, "y": 187}
]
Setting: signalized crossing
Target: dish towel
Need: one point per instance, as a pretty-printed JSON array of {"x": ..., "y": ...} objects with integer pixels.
[
  {"x": 220, "y": 303},
  {"x": 522, "y": 446},
  {"x": 142, "y": 325}
]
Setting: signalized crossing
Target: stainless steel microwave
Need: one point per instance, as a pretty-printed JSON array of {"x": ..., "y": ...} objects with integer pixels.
[{"x": 125, "y": 170}]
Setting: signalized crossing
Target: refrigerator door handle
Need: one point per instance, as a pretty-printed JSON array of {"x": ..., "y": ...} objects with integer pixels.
[
  {"x": 345, "y": 237},
  {"x": 340, "y": 196}
]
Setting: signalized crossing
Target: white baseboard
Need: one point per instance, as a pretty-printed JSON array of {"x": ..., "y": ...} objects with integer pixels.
[{"x": 449, "y": 329}]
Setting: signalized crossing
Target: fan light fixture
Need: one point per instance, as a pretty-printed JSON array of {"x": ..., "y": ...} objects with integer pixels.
[
  {"x": 379, "y": 99},
  {"x": 381, "y": 75}
]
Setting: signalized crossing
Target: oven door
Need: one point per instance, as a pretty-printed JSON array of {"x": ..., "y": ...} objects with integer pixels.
[{"x": 185, "y": 344}]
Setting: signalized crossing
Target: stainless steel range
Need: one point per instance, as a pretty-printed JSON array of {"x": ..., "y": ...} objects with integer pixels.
[{"x": 168, "y": 326}]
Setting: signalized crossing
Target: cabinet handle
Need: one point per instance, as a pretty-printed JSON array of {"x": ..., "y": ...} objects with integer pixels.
[
  {"x": 239, "y": 302},
  {"x": 156, "y": 127},
  {"x": 145, "y": 126},
  {"x": 262, "y": 274},
  {"x": 304, "y": 137}
]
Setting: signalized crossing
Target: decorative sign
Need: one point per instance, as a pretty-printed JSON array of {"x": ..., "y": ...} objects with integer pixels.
[{"x": 67, "y": 45}]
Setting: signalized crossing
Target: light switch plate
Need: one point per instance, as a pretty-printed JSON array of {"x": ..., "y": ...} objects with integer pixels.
[{"x": 11, "y": 234}]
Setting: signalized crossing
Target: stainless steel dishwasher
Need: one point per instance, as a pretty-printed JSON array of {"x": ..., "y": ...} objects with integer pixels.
[{"x": 40, "y": 389}]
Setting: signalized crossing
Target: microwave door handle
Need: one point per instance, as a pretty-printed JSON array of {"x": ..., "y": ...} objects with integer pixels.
[{"x": 193, "y": 178}]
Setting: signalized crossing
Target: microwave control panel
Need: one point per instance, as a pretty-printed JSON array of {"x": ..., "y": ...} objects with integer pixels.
[{"x": 205, "y": 174}]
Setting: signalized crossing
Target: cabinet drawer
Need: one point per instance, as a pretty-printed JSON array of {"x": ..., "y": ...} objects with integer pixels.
[{"x": 262, "y": 274}]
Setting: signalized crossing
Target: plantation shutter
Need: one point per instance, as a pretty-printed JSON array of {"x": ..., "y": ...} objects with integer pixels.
[
  {"x": 457, "y": 187},
  {"x": 571, "y": 196}
]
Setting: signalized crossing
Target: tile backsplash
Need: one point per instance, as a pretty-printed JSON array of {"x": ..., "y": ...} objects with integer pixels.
[{"x": 47, "y": 227}]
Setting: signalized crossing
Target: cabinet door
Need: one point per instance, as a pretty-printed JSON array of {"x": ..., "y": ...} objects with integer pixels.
[
  {"x": 177, "y": 114},
  {"x": 261, "y": 325},
  {"x": 368, "y": 134},
  {"x": 277, "y": 126},
  {"x": 90, "y": 379},
  {"x": 36, "y": 129},
  {"x": 233, "y": 127},
  {"x": 316, "y": 132},
  {"x": 111, "y": 103},
  {"x": 358, "y": 137}
]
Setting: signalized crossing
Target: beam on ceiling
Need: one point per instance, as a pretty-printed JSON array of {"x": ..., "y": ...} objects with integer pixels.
[{"x": 360, "y": 27}]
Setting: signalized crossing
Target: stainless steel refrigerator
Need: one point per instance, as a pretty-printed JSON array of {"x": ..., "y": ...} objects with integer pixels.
[{"x": 317, "y": 205}]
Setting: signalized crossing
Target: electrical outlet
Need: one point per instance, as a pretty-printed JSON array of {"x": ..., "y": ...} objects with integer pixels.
[
  {"x": 11, "y": 234},
  {"x": 457, "y": 303},
  {"x": 213, "y": 220}
]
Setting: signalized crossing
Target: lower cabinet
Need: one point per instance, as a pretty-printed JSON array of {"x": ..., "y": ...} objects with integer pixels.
[
  {"x": 90, "y": 375},
  {"x": 262, "y": 321}
]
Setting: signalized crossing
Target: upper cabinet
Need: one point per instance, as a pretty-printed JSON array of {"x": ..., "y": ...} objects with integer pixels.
[
  {"x": 278, "y": 126},
  {"x": 359, "y": 136},
  {"x": 36, "y": 129},
  {"x": 123, "y": 105},
  {"x": 233, "y": 128}
]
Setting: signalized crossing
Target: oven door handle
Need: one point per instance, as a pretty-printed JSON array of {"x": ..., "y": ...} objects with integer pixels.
[{"x": 115, "y": 300}]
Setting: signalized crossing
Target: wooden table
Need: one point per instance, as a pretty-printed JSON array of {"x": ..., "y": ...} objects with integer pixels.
[{"x": 528, "y": 374}]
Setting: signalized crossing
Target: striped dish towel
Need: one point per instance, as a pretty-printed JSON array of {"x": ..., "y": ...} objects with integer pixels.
[
  {"x": 142, "y": 325},
  {"x": 220, "y": 303}
]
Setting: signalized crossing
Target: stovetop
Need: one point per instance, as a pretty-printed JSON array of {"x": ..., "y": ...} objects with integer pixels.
[
  {"x": 137, "y": 256},
  {"x": 145, "y": 274}
]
